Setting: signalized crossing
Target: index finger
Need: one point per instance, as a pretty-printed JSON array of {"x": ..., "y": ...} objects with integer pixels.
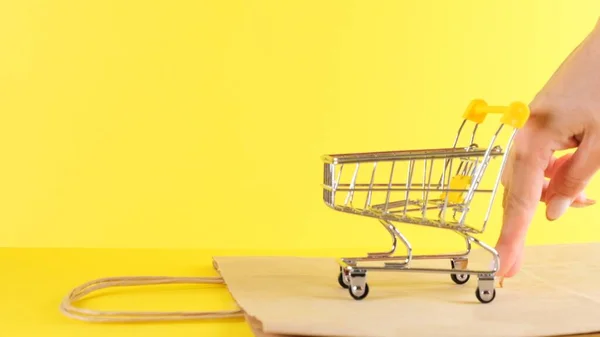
[{"x": 529, "y": 158}]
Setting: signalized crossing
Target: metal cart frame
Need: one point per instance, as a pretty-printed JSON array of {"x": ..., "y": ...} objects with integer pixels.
[{"x": 451, "y": 195}]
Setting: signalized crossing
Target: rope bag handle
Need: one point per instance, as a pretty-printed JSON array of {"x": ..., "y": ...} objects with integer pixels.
[{"x": 68, "y": 308}]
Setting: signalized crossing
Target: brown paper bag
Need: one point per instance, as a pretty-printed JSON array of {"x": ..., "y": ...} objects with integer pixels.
[{"x": 557, "y": 293}]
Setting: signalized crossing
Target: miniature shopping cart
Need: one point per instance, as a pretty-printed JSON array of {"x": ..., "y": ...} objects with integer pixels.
[{"x": 438, "y": 188}]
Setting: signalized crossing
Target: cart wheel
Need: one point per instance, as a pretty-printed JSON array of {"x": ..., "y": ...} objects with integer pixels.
[
  {"x": 343, "y": 281},
  {"x": 359, "y": 293},
  {"x": 485, "y": 296},
  {"x": 460, "y": 278}
]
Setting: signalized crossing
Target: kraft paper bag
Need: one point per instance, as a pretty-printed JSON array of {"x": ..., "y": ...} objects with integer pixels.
[{"x": 557, "y": 293}]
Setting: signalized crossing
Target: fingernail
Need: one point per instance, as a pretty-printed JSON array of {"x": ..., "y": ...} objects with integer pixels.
[
  {"x": 585, "y": 203},
  {"x": 557, "y": 207}
]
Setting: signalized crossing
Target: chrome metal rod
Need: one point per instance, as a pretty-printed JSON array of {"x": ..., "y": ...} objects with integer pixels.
[
  {"x": 489, "y": 249},
  {"x": 473, "y": 135},
  {"x": 443, "y": 153},
  {"x": 443, "y": 211},
  {"x": 389, "y": 267},
  {"x": 426, "y": 199},
  {"x": 424, "y": 179},
  {"x": 408, "y": 182},
  {"x": 405, "y": 189},
  {"x": 370, "y": 192},
  {"x": 477, "y": 180},
  {"x": 497, "y": 182},
  {"x": 462, "y": 125},
  {"x": 389, "y": 189},
  {"x": 337, "y": 182},
  {"x": 405, "y": 241},
  {"x": 382, "y": 258},
  {"x": 394, "y": 242},
  {"x": 350, "y": 195}
]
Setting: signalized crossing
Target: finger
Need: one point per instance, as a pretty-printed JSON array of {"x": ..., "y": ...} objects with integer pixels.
[
  {"x": 518, "y": 250},
  {"x": 582, "y": 201},
  {"x": 506, "y": 173},
  {"x": 505, "y": 178},
  {"x": 555, "y": 163},
  {"x": 514, "y": 269},
  {"x": 526, "y": 180},
  {"x": 571, "y": 178},
  {"x": 544, "y": 190},
  {"x": 553, "y": 166}
]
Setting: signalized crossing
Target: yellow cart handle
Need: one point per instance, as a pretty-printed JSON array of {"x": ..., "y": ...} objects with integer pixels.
[{"x": 515, "y": 115}]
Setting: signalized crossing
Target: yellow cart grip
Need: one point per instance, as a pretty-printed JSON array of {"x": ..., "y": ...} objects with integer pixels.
[{"x": 515, "y": 115}]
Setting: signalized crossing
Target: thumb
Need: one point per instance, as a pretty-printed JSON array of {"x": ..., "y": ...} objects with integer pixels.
[{"x": 570, "y": 179}]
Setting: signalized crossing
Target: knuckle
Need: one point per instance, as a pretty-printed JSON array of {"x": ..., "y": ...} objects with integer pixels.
[
  {"x": 516, "y": 202},
  {"x": 525, "y": 154},
  {"x": 530, "y": 150},
  {"x": 541, "y": 104},
  {"x": 570, "y": 184}
]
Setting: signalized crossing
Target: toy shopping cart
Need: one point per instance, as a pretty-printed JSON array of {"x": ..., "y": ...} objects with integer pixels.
[{"x": 434, "y": 187}]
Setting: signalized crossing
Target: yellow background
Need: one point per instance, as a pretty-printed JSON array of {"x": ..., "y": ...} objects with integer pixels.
[{"x": 197, "y": 124}]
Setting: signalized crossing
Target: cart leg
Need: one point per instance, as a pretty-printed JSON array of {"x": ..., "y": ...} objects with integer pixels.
[
  {"x": 461, "y": 262},
  {"x": 467, "y": 243},
  {"x": 390, "y": 229},
  {"x": 491, "y": 250},
  {"x": 409, "y": 255},
  {"x": 358, "y": 288},
  {"x": 486, "y": 247},
  {"x": 386, "y": 256},
  {"x": 486, "y": 291}
]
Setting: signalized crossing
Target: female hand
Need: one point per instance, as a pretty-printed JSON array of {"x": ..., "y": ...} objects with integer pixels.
[{"x": 565, "y": 114}]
